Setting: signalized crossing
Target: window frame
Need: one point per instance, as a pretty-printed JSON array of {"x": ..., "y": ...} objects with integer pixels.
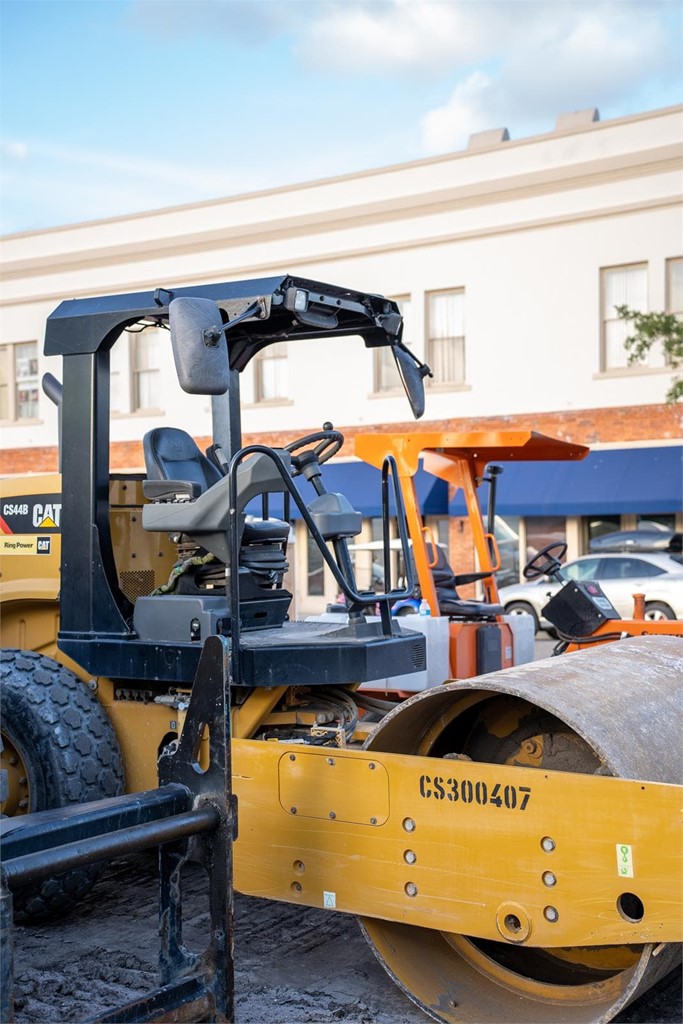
[
  {"x": 433, "y": 382},
  {"x": 604, "y": 320},
  {"x": 136, "y": 373},
  {"x": 125, "y": 374},
  {"x": 14, "y": 382},
  {"x": 669, "y": 263},
  {"x": 271, "y": 353}
]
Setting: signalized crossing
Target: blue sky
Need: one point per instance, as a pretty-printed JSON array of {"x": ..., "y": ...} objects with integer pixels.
[{"x": 109, "y": 107}]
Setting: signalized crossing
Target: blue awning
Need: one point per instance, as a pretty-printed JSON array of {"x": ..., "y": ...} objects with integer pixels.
[
  {"x": 362, "y": 485},
  {"x": 624, "y": 480}
]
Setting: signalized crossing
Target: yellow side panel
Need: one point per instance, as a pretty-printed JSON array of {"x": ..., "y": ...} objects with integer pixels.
[
  {"x": 30, "y": 542},
  {"x": 140, "y": 729},
  {"x": 544, "y": 858}
]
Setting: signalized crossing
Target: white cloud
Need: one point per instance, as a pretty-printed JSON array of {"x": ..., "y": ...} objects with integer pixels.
[
  {"x": 13, "y": 150},
  {"x": 599, "y": 55},
  {"x": 468, "y": 109},
  {"x": 575, "y": 57},
  {"x": 469, "y": 65},
  {"x": 428, "y": 35},
  {"x": 516, "y": 63},
  {"x": 341, "y": 34}
]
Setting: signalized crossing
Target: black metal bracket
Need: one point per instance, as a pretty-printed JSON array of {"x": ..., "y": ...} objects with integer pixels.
[
  {"x": 190, "y": 817},
  {"x": 207, "y": 724},
  {"x": 163, "y": 296}
]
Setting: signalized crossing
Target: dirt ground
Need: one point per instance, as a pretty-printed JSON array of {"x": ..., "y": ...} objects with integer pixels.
[{"x": 293, "y": 965}]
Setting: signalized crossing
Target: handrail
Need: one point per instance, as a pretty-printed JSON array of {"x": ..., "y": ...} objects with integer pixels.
[
  {"x": 429, "y": 539},
  {"x": 352, "y": 595}
]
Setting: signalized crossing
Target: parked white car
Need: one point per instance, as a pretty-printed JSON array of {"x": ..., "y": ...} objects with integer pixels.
[{"x": 658, "y": 576}]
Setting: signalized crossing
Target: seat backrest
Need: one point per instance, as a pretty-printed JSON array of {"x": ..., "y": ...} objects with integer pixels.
[
  {"x": 442, "y": 572},
  {"x": 171, "y": 454}
]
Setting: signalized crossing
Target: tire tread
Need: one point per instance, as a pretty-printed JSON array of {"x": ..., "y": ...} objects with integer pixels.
[{"x": 78, "y": 754}]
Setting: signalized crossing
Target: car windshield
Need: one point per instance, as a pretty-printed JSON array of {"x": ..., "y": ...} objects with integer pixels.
[{"x": 584, "y": 570}]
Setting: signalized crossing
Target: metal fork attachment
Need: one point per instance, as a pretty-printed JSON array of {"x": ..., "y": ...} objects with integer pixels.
[{"x": 191, "y": 817}]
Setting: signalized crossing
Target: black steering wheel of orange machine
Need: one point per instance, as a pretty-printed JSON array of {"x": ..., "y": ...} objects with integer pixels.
[
  {"x": 548, "y": 559},
  {"x": 323, "y": 444}
]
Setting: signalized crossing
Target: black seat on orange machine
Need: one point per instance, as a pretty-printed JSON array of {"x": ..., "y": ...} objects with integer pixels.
[{"x": 450, "y": 603}]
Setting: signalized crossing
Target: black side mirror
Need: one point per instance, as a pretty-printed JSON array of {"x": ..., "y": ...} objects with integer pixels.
[
  {"x": 200, "y": 350},
  {"x": 412, "y": 373}
]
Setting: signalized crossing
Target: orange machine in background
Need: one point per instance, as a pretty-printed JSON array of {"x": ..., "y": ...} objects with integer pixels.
[{"x": 480, "y": 640}]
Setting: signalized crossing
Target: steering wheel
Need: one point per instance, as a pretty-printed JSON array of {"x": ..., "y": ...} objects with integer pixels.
[
  {"x": 328, "y": 444},
  {"x": 545, "y": 561}
]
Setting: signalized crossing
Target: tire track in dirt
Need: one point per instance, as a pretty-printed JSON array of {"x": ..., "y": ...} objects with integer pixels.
[{"x": 293, "y": 965}]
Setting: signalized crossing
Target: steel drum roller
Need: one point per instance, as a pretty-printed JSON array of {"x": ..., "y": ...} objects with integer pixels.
[{"x": 614, "y": 710}]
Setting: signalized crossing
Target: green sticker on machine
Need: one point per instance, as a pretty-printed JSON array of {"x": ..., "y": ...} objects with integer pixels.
[{"x": 624, "y": 860}]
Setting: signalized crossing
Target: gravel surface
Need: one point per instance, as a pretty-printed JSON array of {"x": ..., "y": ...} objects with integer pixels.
[{"x": 293, "y": 965}]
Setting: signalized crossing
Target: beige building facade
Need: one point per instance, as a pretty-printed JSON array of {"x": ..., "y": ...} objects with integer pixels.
[{"x": 507, "y": 259}]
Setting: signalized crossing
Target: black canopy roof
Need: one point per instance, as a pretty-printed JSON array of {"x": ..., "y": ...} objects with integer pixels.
[{"x": 87, "y": 325}]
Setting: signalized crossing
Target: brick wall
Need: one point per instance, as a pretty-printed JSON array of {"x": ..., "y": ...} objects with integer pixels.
[
  {"x": 461, "y": 549},
  {"x": 582, "y": 426}
]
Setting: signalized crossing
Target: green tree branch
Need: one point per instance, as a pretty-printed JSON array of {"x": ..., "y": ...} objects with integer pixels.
[{"x": 651, "y": 329}]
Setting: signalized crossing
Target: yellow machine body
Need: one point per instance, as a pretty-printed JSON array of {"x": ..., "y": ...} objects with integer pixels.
[
  {"x": 448, "y": 850},
  {"x": 367, "y": 834}
]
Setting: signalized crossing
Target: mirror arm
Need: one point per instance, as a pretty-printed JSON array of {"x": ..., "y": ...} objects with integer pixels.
[
  {"x": 425, "y": 370},
  {"x": 213, "y": 334}
]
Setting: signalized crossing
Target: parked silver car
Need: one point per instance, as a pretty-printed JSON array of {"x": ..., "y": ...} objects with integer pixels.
[{"x": 658, "y": 576}]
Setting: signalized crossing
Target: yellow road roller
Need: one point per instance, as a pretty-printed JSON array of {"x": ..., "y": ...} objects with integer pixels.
[{"x": 510, "y": 840}]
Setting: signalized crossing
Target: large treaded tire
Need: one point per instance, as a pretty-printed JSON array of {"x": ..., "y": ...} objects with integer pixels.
[{"x": 70, "y": 753}]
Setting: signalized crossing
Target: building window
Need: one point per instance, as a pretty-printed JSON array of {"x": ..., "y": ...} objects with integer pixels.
[
  {"x": 674, "y": 287},
  {"x": 544, "y": 530},
  {"x": 271, "y": 381},
  {"x": 367, "y": 555},
  {"x": 601, "y": 526},
  {"x": 19, "y": 381},
  {"x": 135, "y": 371},
  {"x": 623, "y": 286},
  {"x": 144, "y": 361},
  {"x": 439, "y": 526},
  {"x": 387, "y": 378},
  {"x": 446, "y": 336}
]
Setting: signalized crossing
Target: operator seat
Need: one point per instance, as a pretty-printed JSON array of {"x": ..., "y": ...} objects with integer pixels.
[
  {"x": 450, "y": 603},
  {"x": 178, "y": 474},
  {"x": 171, "y": 454}
]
